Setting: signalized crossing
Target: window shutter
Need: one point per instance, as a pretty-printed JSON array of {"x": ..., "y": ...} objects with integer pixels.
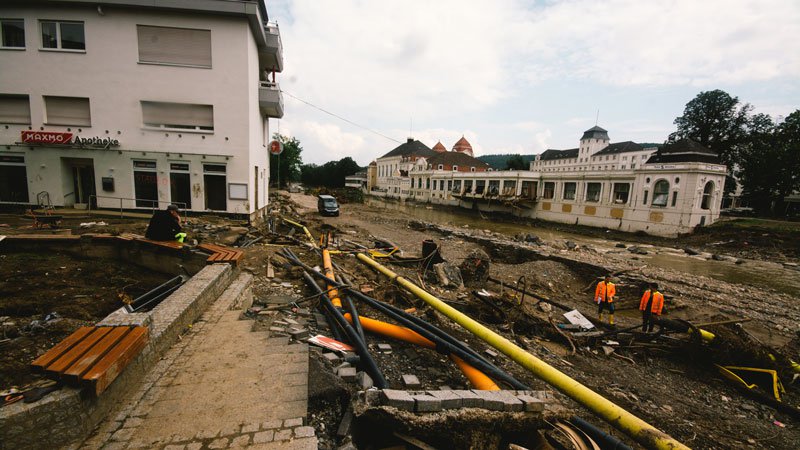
[
  {"x": 177, "y": 115},
  {"x": 15, "y": 109},
  {"x": 174, "y": 46},
  {"x": 67, "y": 111}
]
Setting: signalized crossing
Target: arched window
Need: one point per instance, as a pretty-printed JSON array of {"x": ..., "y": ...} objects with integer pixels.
[
  {"x": 660, "y": 193},
  {"x": 441, "y": 166},
  {"x": 708, "y": 192}
]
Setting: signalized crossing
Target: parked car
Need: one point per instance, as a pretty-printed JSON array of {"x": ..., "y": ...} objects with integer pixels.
[{"x": 327, "y": 206}]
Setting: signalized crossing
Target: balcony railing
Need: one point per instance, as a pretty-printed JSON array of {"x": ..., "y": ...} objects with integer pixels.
[
  {"x": 272, "y": 56},
  {"x": 270, "y": 99}
]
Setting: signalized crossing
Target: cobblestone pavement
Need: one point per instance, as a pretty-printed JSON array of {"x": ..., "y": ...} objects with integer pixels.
[{"x": 221, "y": 386}]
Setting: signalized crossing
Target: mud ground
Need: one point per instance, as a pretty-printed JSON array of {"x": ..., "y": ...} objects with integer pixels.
[
  {"x": 44, "y": 297},
  {"x": 678, "y": 391}
]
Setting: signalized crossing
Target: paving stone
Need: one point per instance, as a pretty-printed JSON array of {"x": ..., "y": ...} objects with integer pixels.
[
  {"x": 491, "y": 401},
  {"x": 345, "y": 424},
  {"x": 218, "y": 443},
  {"x": 426, "y": 403},
  {"x": 298, "y": 333},
  {"x": 385, "y": 348},
  {"x": 398, "y": 399},
  {"x": 240, "y": 442},
  {"x": 133, "y": 422},
  {"x": 175, "y": 447},
  {"x": 332, "y": 358},
  {"x": 283, "y": 435},
  {"x": 304, "y": 432},
  {"x": 372, "y": 397},
  {"x": 114, "y": 446},
  {"x": 263, "y": 437},
  {"x": 364, "y": 381},
  {"x": 491, "y": 353},
  {"x": 250, "y": 427},
  {"x": 347, "y": 373},
  {"x": 207, "y": 434},
  {"x": 411, "y": 382},
  {"x": 296, "y": 422},
  {"x": 271, "y": 424},
  {"x": 277, "y": 329},
  {"x": 511, "y": 402},
  {"x": 194, "y": 446},
  {"x": 531, "y": 403},
  {"x": 124, "y": 434},
  {"x": 448, "y": 398}
]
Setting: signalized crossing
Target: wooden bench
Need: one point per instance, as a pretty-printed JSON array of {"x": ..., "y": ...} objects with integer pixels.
[
  {"x": 221, "y": 254},
  {"x": 92, "y": 357}
]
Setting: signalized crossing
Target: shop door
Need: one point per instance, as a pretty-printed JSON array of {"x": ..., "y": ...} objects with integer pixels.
[
  {"x": 14, "y": 183},
  {"x": 214, "y": 184},
  {"x": 83, "y": 185},
  {"x": 145, "y": 184},
  {"x": 180, "y": 185}
]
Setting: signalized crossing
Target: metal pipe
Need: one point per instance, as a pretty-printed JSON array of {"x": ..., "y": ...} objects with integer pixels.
[
  {"x": 361, "y": 347},
  {"x": 636, "y": 428}
]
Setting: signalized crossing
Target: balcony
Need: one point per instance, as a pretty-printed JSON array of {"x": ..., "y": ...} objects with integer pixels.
[
  {"x": 271, "y": 57},
  {"x": 270, "y": 99}
]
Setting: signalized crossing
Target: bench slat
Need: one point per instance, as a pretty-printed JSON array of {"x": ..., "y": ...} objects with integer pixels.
[
  {"x": 65, "y": 361},
  {"x": 110, "y": 366},
  {"x": 95, "y": 353},
  {"x": 40, "y": 363}
]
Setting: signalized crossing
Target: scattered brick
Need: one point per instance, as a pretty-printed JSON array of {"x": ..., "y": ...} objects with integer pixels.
[
  {"x": 347, "y": 373},
  {"x": 491, "y": 353},
  {"x": 385, "y": 348},
  {"x": 345, "y": 424},
  {"x": 411, "y": 382},
  {"x": 304, "y": 432},
  {"x": 364, "y": 381}
]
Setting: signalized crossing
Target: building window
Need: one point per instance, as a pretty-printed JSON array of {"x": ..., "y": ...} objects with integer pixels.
[
  {"x": 456, "y": 187},
  {"x": 449, "y": 185},
  {"x": 427, "y": 183},
  {"x": 510, "y": 187},
  {"x": 179, "y": 46},
  {"x": 13, "y": 33},
  {"x": 569, "y": 190},
  {"x": 145, "y": 184},
  {"x": 58, "y": 35},
  {"x": 15, "y": 109},
  {"x": 674, "y": 198},
  {"x": 494, "y": 187},
  {"x": 480, "y": 185},
  {"x": 708, "y": 192},
  {"x": 178, "y": 116},
  {"x": 214, "y": 181},
  {"x": 593, "y": 192},
  {"x": 467, "y": 186},
  {"x": 472, "y": 169},
  {"x": 13, "y": 179},
  {"x": 644, "y": 197},
  {"x": 529, "y": 189},
  {"x": 549, "y": 190},
  {"x": 440, "y": 167},
  {"x": 67, "y": 111},
  {"x": 434, "y": 184},
  {"x": 660, "y": 193},
  {"x": 455, "y": 168},
  {"x": 621, "y": 191}
]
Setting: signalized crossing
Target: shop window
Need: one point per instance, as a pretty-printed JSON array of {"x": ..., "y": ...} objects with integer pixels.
[
  {"x": 467, "y": 186},
  {"x": 13, "y": 179},
  {"x": 510, "y": 187},
  {"x": 12, "y": 32},
  {"x": 449, "y": 185},
  {"x": 660, "y": 193},
  {"x": 59, "y": 35},
  {"x": 494, "y": 187},
  {"x": 708, "y": 192},
  {"x": 15, "y": 109},
  {"x": 569, "y": 190},
  {"x": 178, "y": 46},
  {"x": 456, "y": 186},
  {"x": 73, "y": 111},
  {"x": 145, "y": 184},
  {"x": 549, "y": 190},
  {"x": 529, "y": 189},
  {"x": 214, "y": 181},
  {"x": 480, "y": 186},
  {"x": 621, "y": 191},
  {"x": 593, "y": 192},
  {"x": 179, "y": 116}
]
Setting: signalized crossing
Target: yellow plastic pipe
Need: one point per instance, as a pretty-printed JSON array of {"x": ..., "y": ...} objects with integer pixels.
[
  {"x": 305, "y": 230},
  {"x": 475, "y": 376},
  {"x": 327, "y": 265},
  {"x": 636, "y": 428}
]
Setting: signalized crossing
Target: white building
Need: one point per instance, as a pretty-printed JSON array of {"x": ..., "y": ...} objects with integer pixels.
[
  {"x": 138, "y": 104},
  {"x": 661, "y": 190}
]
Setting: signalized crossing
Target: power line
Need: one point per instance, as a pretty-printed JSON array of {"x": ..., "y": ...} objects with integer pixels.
[{"x": 341, "y": 118}]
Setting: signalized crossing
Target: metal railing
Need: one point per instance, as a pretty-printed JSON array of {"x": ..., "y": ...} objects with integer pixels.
[{"x": 155, "y": 204}]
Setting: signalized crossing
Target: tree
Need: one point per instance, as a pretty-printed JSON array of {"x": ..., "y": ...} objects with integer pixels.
[
  {"x": 290, "y": 160},
  {"x": 516, "y": 162},
  {"x": 717, "y": 121},
  {"x": 330, "y": 174}
]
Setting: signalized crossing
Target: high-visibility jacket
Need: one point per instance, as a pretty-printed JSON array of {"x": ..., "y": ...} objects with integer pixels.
[
  {"x": 604, "y": 292},
  {"x": 656, "y": 306}
]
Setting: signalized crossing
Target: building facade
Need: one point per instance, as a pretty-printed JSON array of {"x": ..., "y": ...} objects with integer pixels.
[
  {"x": 136, "y": 105},
  {"x": 662, "y": 190}
]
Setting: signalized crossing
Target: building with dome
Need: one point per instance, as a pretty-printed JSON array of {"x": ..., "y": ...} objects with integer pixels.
[{"x": 660, "y": 189}]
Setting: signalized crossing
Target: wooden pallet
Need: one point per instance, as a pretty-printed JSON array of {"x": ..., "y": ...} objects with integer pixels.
[
  {"x": 92, "y": 357},
  {"x": 221, "y": 254}
]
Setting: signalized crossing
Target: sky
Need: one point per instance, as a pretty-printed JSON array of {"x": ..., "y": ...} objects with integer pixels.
[{"x": 521, "y": 76}]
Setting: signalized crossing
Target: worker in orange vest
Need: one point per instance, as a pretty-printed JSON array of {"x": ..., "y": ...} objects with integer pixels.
[
  {"x": 651, "y": 305},
  {"x": 604, "y": 297}
]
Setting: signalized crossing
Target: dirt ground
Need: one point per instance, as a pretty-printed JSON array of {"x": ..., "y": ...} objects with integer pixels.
[
  {"x": 676, "y": 389},
  {"x": 44, "y": 297}
]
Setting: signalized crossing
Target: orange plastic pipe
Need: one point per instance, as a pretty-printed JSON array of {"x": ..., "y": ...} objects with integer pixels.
[
  {"x": 475, "y": 376},
  {"x": 327, "y": 265}
]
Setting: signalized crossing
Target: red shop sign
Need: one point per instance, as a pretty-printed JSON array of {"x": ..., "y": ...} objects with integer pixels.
[{"x": 46, "y": 137}]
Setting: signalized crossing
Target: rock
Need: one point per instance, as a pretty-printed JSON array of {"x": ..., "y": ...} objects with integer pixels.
[
  {"x": 475, "y": 267},
  {"x": 571, "y": 245},
  {"x": 690, "y": 251},
  {"x": 620, "y": 245},
  {"x": 740, "y": 261},
  {"x": 545, "y": 307},
  {"x": 449, "y": 275},
  {"x": 637, "y": 250},
  {"x": 716, "y": 257}
]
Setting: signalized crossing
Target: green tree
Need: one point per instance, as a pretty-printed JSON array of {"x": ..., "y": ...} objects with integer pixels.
[
  {"x": 717, "y": 121},
  {"x": 330, "y": 174},
  {"x": 516, "y": 162},
  {"x": 290, "y": 160}
]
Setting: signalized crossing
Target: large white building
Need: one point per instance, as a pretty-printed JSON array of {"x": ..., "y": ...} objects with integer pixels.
[
  {"x": 136, "y": 104},
  {"x": 658, "y": 189}
]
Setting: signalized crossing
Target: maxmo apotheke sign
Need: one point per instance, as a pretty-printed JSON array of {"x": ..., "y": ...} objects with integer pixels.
[{"x": 59, "y": 138}]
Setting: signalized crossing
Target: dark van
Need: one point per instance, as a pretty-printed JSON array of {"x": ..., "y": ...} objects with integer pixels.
[{"x": 327, "y": 206}]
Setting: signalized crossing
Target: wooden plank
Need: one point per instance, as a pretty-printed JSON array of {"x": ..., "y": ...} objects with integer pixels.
[
  {"x": 111, "y": 365},
  {"x": 60, "y": 365},
  {"x": 39, "y": 364},
  {"x": 95, "y": 353}
]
